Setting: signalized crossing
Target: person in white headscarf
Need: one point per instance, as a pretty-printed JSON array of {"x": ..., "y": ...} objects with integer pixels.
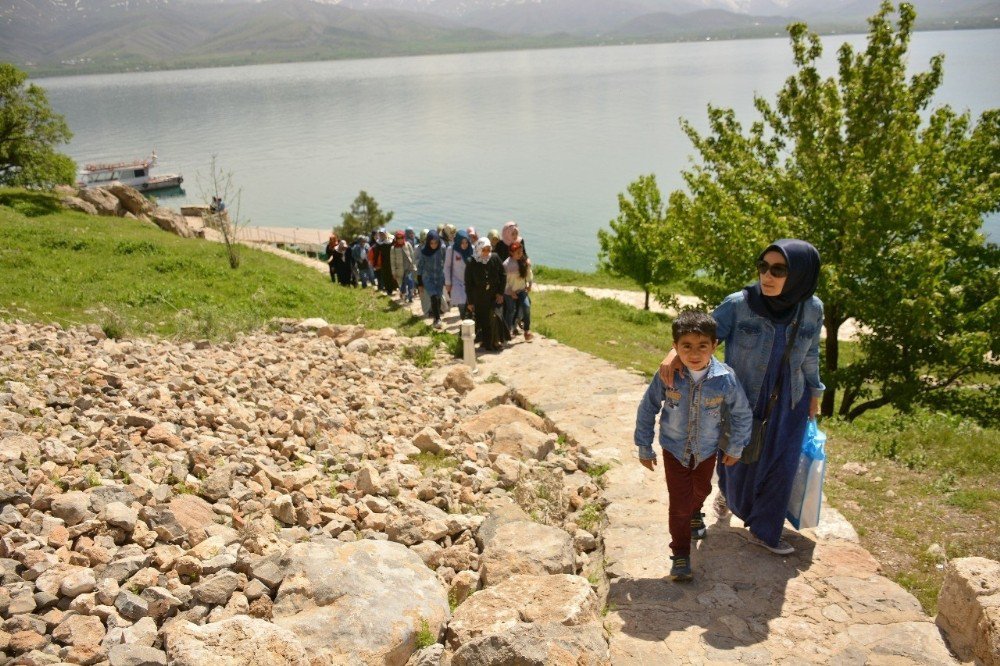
[
  {"x": 509, "y": 235},
  {"x": 485, "y": 282}
]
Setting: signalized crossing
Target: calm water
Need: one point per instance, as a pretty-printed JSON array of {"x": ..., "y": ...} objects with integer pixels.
[{"x": 547, "y": 138}]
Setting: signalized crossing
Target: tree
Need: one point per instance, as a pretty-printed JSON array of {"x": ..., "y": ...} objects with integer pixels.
[
  {"x": 636, "y": 246},
  {"x": 892, "y": 196},
  {"x": 29, "y": 132},
  {"x": 364, "y": 217},
  {"x": 224, "y": 201}
]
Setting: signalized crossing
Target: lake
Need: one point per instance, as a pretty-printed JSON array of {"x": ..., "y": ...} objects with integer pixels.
[{"x": 547, "y": 137}]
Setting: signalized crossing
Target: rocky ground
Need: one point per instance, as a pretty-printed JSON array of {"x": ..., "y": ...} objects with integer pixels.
[{"x": 306, "y": 496}]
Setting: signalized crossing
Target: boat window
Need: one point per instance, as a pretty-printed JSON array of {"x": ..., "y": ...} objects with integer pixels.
[
  {"x": 139, "y": 173},
  {"x": 116, "y": 175}
]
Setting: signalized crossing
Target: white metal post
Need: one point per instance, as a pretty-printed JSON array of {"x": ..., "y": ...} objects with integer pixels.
[{"x": 469, "y": 343}]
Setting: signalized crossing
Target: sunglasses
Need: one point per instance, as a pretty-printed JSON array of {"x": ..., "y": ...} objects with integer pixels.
[{"x": 777, "y": 270}]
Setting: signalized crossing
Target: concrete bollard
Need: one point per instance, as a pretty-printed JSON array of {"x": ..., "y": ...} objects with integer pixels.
[{"x": 469, "y": 343}]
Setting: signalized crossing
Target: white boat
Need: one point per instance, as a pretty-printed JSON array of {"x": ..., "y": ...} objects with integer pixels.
[{"x": 134, "y": 174}]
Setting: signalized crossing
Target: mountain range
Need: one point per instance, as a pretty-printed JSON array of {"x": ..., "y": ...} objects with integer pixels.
[{"x": 76, "y": 36}]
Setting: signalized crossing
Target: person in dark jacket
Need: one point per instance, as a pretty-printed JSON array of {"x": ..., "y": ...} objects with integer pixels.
[
  {"x": 340, "y": 264},
  {"x": 485, "y": 282},
  {"x": 383, "y": 248}
]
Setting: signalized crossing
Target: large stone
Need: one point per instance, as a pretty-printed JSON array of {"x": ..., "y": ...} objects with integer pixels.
[
  {"x": 538, "y": 645},
  {"x": 193, "y": 514},
  {"x": 521, "y": 441},
  {"x": 429, "y": 441},
  {"x": 486, "y": 423},
  {"x": 969, "y": 609},
  {"x": 17, "y": 449},
  {"x": 460, "y": 379},
  {"x": 171, "y": 221},
  {"x": 499, "y": 517},
  {"x": 131, "y": 199},
  {"x": 78, "y": 204},
  {"x": 522, "y": 547},
  {"x": 560, "y": 599},
  {"x": 356, "y": 603},
  {"x": 79, "y": 630},
  {"x": 136, "y": 655},
  {"x": 105, "y": 202},
  {"x": 238, "y": 641}
]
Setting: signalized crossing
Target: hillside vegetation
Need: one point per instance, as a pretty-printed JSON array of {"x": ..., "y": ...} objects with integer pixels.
[{"x": 134, "y": 279}]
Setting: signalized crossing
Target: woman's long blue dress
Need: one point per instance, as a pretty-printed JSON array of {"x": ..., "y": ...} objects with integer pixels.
[{"x": 758, "y": 494}]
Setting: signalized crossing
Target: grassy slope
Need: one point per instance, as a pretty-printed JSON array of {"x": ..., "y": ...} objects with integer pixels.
[
  {"x": 930, "y": 479},
  {"x": 131, "y": 278}
]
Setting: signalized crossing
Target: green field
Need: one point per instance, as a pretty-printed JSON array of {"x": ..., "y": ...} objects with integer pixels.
[{"x": 134, "y": 279}]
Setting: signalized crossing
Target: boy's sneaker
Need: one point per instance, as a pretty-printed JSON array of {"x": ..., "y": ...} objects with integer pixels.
[
  {"x": 681, "y": 570},
  {"x": 721, "y": 506},
  {"x": 698, "y": 526},
  {"x": 783, "y": 547}
]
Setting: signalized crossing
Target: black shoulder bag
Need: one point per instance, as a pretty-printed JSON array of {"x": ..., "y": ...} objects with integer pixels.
[{"x": 752, "y": 451}]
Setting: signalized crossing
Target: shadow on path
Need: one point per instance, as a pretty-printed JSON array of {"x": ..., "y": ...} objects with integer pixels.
[{"x": 738, "y": 590}]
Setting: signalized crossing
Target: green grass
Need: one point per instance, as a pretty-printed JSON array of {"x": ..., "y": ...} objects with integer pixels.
[
  {"x": 134, "y": 279},
  {"x": 598, "y": 279},
  {"x": 620, "y": 334}
]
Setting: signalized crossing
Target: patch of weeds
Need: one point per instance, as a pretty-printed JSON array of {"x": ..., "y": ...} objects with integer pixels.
[
  {"x": 93, "y": 479},
  {"x": 971, "y": 500},
  {"x": 598, "y": 470},
  {"x": 183, "y": 489},
  {"x": 452, "y": 342},
  {"x": 114, "y": 326},
  {"x": 494, "y": 378},
  {"x": 60, "y": 483},
  {"x": 429, "y": 462},
  {"x": 421, "y": 356},
  {"x": 452, "y": 601},
  {"x": 424, "y": 637},
  {"x": 136, "y": 247},
  {"x": 590, "y": 517},
  {"x": 540, "y": 494},
  {"x": 609, "y": 608},
  {"x": 538, "y": 411},
  {"x": 945, "y": 483}
]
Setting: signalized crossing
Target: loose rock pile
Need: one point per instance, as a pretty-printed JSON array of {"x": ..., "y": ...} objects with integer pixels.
[{"x": 302, "y": 497}]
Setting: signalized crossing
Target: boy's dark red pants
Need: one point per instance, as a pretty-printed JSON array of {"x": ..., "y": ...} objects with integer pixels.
[{"x": 687, "y": 489}]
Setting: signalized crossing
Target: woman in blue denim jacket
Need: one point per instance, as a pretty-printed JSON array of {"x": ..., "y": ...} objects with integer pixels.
[{"x": 755, "y": 325}]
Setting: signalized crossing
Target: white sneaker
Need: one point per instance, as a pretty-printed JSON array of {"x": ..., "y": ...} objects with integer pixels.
[{"x": 783, "y": 547}]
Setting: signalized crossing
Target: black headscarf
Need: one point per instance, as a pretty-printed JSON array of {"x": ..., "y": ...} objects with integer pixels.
[
  {"x": 800, "y": 285},
  {"x": 427, "y": 249}
]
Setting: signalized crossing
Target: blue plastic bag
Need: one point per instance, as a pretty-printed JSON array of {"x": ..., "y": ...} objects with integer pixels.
[{"x": 807, "y": 488}]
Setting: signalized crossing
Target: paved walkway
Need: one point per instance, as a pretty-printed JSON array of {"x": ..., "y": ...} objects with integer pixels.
[{"x": 825, "y": 604}]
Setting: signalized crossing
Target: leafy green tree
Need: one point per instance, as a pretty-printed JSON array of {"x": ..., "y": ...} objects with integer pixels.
[
  {"x": 364, "y": 217},
  {"x": 29, "y": 132},
  {"x": 892, "y": 195},
  {"x": 636, "y": 247}
]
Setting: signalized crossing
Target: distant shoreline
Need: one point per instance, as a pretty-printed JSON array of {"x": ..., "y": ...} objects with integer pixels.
[{"x": 517, "y": 44}]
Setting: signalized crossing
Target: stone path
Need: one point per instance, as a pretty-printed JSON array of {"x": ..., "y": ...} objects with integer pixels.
[{"x": 825, "y": 604}]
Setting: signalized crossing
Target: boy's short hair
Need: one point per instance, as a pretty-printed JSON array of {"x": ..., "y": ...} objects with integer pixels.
[{"x": 694, "y": 321}]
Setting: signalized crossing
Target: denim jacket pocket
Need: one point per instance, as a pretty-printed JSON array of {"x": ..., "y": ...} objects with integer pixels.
[{"x": 748, "y": 334}]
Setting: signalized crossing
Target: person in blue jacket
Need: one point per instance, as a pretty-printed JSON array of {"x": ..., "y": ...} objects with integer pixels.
[
  {"x": 755, "y": 324},
  {"x": 693, "y": 416},
  {"x": 430, "y": 273}
]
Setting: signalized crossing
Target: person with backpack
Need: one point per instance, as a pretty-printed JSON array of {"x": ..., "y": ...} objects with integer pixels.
[{"x": 359, "y": 252}]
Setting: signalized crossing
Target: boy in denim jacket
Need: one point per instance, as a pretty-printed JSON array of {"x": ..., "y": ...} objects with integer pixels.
[{"x": 706, "y": 401}]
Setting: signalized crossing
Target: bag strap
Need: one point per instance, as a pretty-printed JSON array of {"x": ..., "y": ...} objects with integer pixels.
[{"x": 773, "y": 398}]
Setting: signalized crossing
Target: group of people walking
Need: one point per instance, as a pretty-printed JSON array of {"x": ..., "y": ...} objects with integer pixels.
[{"x": 487, "y": 278}]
